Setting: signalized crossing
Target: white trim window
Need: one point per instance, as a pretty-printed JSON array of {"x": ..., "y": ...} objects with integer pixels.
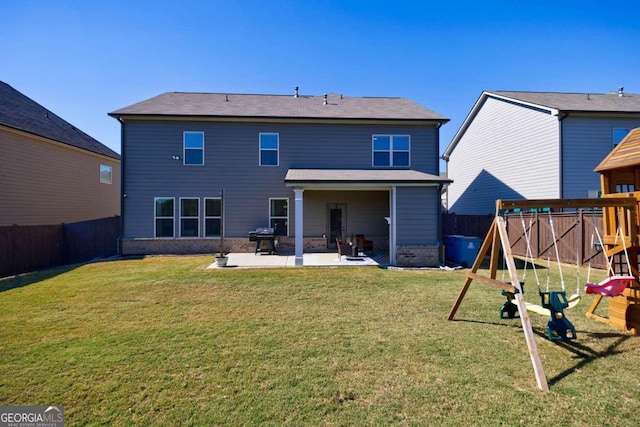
[
  {"x": 189, "y": 217},
  {"x": 618, "y": 135},
  {"x": 212, "y": 217},
  {"x": 391, "y": 150},
  {"x": 163, "y": 216},
  {"x": 193, "y": 148},
  {"x": 269, "y": 149},
  {"x": 279, "y": 216},
  {"x": 106, "y": 174}
]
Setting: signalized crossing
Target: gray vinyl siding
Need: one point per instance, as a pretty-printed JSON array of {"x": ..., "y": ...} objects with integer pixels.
[
  {"x": 232, "y": 162},
  {"x": 509, "y": 152},
  {"x": 586, "y": 141},
  {"x": 417, "y": 216}
]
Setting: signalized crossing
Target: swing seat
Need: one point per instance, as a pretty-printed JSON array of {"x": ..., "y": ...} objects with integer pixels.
[{"x": 610, "y": 287}]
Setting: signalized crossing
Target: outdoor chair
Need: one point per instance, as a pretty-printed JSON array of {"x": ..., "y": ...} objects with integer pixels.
[
  {"x": 346, "y": 249},
  {"x": 363, "y": 243}
]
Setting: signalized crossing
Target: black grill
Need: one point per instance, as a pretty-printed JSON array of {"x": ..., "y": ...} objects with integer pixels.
[{"x": 263, "y": 235}]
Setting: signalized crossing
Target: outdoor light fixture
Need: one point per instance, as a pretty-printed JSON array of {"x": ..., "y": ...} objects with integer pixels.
[{"x": 175, "y": 157}]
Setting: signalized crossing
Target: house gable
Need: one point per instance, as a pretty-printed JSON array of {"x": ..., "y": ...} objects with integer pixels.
[
  {"x": 53, "y": 172},
  {"x": 533, "y": 145},
  {"x": 21, "y": 113}
]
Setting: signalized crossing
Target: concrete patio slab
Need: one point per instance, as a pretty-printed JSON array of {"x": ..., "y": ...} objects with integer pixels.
[{"x": 331, "y": 259}]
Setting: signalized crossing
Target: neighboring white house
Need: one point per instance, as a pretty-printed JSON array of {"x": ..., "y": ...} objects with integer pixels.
[{"x": 534, "y": 145}]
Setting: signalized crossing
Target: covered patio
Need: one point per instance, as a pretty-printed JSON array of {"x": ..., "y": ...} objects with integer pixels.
[{"x": 395, "y": 195}]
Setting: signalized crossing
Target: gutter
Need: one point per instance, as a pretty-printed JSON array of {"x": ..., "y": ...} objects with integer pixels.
[{"x": 123, "y": 195}]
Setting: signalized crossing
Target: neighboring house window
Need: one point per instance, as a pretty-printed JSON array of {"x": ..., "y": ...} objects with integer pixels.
[
  {"x": 269, "y": 144},
  {"x": 189, "y": 217},
  {"x": 279, "y": 216},
  {"x": 212, "y": 217},
  {"x": 619, "y": 134},
  {"x": 105, "y": 174},
  {"x": 391, "y": 150},
  {"x": 193, "y": 148},
  {"x": 164, "y": 216}
]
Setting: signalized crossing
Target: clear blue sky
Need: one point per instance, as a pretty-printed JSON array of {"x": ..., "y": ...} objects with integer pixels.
[{"x": 82, "y": 59}]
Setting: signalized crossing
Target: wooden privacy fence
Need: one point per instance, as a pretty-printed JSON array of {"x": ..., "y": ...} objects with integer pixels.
[
  {"x": 30, "y": 248},
  {"x": 466, "y": 225},
  {"x": 573, "y": 232}
]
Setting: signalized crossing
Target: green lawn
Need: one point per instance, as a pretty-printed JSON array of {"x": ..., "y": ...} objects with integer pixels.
[{"x": 161, "y": 340}]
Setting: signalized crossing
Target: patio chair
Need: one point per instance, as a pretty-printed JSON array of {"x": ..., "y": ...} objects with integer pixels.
[
  {"x": 363, "y": 243},
  {"x": 345, "y": 249}
]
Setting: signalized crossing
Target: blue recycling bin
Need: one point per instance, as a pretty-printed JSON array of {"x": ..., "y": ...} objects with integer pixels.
[
  {"x": 462, "y": 250},
  {"x": 450, "y": 247}
]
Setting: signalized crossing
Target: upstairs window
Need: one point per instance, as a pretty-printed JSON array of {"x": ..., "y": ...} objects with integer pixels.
[
  {"x": 279, "y": 216},
  {"x": 189, "y": 217},
  {"x": 164, "y": 216},
  {"x": 619, "y": 134},
  {"x": 193, "y": 143},
  {"x": 269, "y": 144},
  {"x": 105, "y": 174},
  {"x": 212, "y": 217},
  {"x": 391, "y": 150}
]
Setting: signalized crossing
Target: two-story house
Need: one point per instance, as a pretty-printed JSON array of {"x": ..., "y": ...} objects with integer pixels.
[
  {"x": 534, "y": 145},
  {"x": 314, "y": 168},
  {"x": 50, "y": 171}
]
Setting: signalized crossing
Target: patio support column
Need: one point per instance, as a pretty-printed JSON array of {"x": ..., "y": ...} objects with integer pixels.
[
  {"x": 392, "y": 226},
  {"x": 299, "y": 241}
]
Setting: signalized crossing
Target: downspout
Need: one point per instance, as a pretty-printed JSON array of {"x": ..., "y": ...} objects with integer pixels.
[
  {"x": 561, "y": 117},
  {"x": 122, "y": 187}
]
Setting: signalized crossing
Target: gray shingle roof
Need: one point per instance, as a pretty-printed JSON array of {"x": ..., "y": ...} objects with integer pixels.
[
  {"x": 360, "y": 176},
  {"x": 279, "y": 106},
  {"x": 586, "y": 102},
  {"x": 20, "y": 112}
]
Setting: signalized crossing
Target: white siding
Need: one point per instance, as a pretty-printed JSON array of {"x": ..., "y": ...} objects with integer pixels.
[{"x": 509, "y": 152}]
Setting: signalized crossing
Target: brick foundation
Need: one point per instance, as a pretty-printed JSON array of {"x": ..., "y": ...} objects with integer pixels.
[
  {"x": 204, "y": 246},
  {"x": 418, "y": 256}
]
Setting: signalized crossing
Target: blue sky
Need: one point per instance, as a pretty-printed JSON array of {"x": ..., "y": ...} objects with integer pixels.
[{"x": 83, "y": 59}]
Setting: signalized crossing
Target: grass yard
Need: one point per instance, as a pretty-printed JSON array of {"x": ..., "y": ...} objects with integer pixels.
[{"x": 161, "y": 340}]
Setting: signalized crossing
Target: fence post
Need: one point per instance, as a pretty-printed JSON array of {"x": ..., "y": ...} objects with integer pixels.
[{"x": 580, "y": 237}]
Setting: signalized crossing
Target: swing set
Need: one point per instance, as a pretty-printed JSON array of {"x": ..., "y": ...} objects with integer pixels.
[{"x": 553, "y": 302}]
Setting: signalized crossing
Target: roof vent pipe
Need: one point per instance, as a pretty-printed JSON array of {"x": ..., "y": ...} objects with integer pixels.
[
  {"x": 295, "y": 94},
  {"x": 325, "y": 99},
  {"x": 620, "y": 91}
]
